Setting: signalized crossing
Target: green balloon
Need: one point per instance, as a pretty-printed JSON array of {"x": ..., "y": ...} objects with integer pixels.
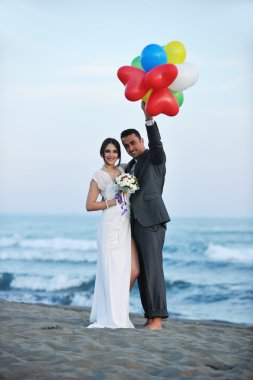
[
  {"x": 179, "y": 96},
  {"x": 136, "y": 62}
]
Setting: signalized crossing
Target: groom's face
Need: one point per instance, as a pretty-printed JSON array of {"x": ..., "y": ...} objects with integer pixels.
[{"x": 133, "y": 145}]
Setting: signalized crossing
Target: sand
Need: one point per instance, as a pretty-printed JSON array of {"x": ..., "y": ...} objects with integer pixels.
[{"x": 52, "y": 342}]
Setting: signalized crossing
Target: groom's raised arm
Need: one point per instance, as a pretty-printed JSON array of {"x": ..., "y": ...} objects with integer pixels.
[{"x": 157, "y": 154}]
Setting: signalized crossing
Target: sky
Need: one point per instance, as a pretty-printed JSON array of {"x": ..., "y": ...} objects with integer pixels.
[{"x": 60, "y": 98}]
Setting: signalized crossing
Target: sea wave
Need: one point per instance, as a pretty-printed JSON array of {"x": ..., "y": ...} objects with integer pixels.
[
  {"x": 60, "y": 282},
  {"x": 34, "y": 255},
  {"x": 228, "y": 254},
  {"x": 178, "y": 284},
  {"x": 57, "y": 243},
  {"x": 47, "y": 298},
  {"x": 43, "y": 283},
  {"x": 9, "y": 241},
  {"x": 5, "y": 281}
]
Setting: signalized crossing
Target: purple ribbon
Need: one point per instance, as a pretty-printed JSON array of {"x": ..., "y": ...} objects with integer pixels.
[{"x": 118, "y": 199}]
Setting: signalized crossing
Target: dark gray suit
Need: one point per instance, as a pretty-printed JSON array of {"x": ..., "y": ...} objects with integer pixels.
[{"x": 148, "y": 221}]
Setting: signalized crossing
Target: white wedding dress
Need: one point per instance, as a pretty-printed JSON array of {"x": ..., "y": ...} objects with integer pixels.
[{"x": 110, "y": 307}]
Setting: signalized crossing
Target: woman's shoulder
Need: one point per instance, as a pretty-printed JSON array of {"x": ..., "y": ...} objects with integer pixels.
[
  {"x": 101, "y": 178},
  {"x": 99, "y": 174}
]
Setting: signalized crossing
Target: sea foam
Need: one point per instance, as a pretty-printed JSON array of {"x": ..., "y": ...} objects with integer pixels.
[
  {"x": 59, "y": 282},
  {"x": 36, "y": 255},
  {"x": 57, "y": 243},
  {"x": 227, "y": 254}
]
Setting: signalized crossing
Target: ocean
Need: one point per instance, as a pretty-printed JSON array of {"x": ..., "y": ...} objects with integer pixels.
[{"x": 208, "y": 264}]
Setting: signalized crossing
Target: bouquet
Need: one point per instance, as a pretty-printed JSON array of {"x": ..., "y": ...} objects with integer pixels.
[{"x": 126, "y": 183}]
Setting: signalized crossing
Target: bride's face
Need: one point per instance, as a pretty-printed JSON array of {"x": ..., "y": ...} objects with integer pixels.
[{"x": 111, "y": 154}]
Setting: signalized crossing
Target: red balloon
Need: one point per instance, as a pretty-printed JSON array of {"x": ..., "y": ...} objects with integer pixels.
[
  {"x": 134, "y": 82},
  {"x": 162, "y": 101},
  {"x": 161, "y": 76}
]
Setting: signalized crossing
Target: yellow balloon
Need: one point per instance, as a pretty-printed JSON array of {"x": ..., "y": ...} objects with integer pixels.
[
  {"x": 145, "y": 97},
  {"x": 176, "y": 52}
]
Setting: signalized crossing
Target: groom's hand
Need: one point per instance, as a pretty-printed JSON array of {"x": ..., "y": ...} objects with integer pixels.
[{"x": 147, "y": 116}]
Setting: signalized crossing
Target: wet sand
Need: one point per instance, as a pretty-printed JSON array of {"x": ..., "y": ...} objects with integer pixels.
[{"x": 52, "y": 342}]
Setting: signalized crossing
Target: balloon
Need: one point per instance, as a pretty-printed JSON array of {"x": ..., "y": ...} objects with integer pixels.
[
  {"x": 136, "y": 62},
  {"x": 145, "y": 98},
  {"x": 153, "y": 55},
  {"x": 159, "y": 80},
  {"x": 161, "y": 76},
  {"x": 134, "y": 81},
  {"x": 176, "y": 52},
  {"x": 179, "y": 96},
  {"x": 187, "y": 76},
  {"x": 162, "y": 101}
]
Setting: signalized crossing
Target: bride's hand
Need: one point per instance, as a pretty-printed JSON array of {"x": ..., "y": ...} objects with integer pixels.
[{"x": 110, "y": 202}]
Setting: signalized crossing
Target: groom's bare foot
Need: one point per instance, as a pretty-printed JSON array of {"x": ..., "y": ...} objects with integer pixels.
[
  {"x": 148, "y": 321},
  {"x": 155, "y": 324}
]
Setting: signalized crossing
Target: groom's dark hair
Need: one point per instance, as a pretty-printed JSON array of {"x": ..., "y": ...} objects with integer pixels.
[{"x": 130, "y": 131}]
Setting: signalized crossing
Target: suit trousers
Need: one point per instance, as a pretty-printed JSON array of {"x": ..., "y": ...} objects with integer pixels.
[{"x": 149, "y": 243}]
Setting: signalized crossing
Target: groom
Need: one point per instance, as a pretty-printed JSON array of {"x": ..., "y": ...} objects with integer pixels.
[{"x": 149, "y": 217}]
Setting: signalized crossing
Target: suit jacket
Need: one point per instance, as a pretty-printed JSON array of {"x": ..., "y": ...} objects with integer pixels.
[{"x": 147, "y": 205}]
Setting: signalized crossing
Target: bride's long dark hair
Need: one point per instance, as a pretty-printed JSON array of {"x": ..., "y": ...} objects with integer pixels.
[{"x": 110, "y": 140}]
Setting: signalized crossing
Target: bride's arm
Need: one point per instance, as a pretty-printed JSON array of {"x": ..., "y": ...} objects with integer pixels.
[{"x": 92, "y": 204}]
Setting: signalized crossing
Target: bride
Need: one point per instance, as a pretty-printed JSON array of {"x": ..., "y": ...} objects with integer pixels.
[{"x": 117, "y": 262}]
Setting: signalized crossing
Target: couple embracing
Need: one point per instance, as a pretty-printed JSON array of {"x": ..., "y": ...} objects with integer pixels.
[{"x": 130, "y": 243}]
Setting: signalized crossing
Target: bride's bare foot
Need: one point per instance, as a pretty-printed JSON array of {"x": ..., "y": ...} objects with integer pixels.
[{"x": 154, "y": 324}]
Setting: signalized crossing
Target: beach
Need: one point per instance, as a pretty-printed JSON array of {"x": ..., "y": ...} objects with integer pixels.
[{"x": 52, "y": 342}]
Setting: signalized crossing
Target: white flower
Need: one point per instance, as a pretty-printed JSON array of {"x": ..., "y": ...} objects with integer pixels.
[{"x": 127, "y": 182}]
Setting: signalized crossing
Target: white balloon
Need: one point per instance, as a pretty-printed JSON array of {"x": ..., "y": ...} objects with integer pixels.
[{"x": 187, "y": 76}]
